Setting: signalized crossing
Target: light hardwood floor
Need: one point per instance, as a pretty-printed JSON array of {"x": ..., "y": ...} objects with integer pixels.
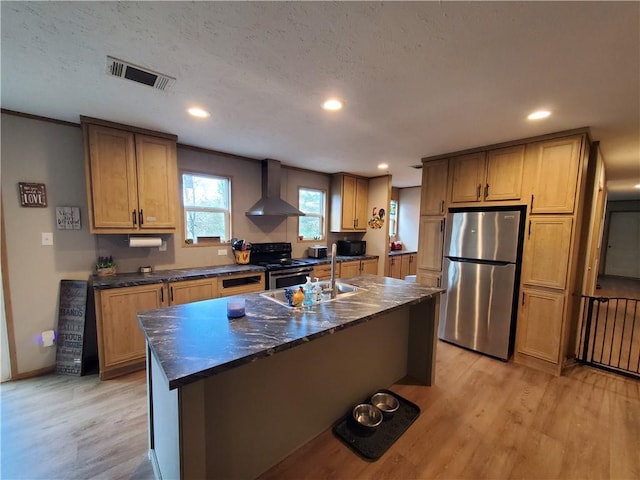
[{"x": 483, "y": 419}]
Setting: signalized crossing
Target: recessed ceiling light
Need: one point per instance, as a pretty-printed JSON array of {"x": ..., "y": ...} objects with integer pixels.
[
  {"x": 539, "y": 115},
  {"x": 383, "y": 166},
  {"x": 332, "y": 104},
  {"x": 636, "y": 186},
  {"x": 198, "y": 112}
]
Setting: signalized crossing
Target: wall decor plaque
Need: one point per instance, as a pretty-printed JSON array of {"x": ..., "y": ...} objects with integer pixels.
[
  {"x": 68, "y": 218},
  {"x": 32, "y": 194},
  {"x": 71, "y": 327}
]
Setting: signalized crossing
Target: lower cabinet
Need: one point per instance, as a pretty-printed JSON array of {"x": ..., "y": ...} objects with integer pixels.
[
  {"x": 401, "y": 265},
  {"x": 188, "y": 291},
  {"x": 394, "y": 265},
  {"x": 539, "y": 326},
  {"x": 358, "y": 267},
  {"x": 429, "y": 278},
  {"x": 323, "y": 272},
  {"x": 121, "y": 344}
]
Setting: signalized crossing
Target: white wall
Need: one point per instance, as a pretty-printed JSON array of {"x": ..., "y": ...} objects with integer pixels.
[
  {"x": 409, "y": 217},
  {"x": 51, "y": 153},
  {"x": 378, "y": 238}
]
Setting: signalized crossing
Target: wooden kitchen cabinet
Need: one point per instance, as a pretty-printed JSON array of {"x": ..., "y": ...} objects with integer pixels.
[
  {"x": 467, "y": 177},
  {"x": 408, "y": 265},
  {"x": 394, "y": 264},
  {"x": 431, "y": 243},
  {"x": 121, "y": 344},
  {"x": 358, "y": 267},
  {"x": 492, "y": 176},
  {"x": 540, "y": 325},
  {"x": 188, "y": 291},
  {"x": 434, "y": 187},
  {"x": 546, "y": 252},
  {"x": 554, "y": 168},
  {"x": 132, "y": 184},
  {"x": 323, "y": 272},
  {"x": 429, "y": 278},
  {"x": 349, "y": 197},
  {"x": 369, "y": 266}
]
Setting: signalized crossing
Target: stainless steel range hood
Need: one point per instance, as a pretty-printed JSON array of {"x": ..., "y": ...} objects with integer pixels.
[{"x": 271, "y": 204}]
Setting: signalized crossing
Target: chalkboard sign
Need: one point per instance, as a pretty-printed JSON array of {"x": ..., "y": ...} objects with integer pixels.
[{"x": 71, "y": 327}]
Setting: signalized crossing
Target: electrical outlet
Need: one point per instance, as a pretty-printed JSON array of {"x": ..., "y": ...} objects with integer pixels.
[
  {"x": 47, "y": 238},
  {"x": 222, "y": 251}
]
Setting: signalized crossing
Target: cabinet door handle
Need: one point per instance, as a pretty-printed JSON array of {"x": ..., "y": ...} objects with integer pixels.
[
  {"x": 442, "y": 225},
  {"x": 522, "y": 298},
  {"x": 532, "y": 201},
  {"x": 161, "y": 295},
  {"x": 133, "y": 217},
  {"x": 441, "y": 206},
  {"x": 438, "y": 282},
  {"x": 529, "y": 235},
  {"x": 141, "y": 217},
  {"x": 171, "y": 294},
  {"x": 478, "y": 191},
  {"x": 486, "y": 191}
]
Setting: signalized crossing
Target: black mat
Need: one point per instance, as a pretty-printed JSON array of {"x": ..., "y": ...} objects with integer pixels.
[{"x": 371, "y": 443}]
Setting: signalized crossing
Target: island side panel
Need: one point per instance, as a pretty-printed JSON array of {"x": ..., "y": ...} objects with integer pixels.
[
  {"x": 257, "y": 414},
  {"x": 423, "y": 340}
]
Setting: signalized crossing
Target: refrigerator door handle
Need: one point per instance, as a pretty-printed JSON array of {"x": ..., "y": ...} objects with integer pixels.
[{"x": 476, "y": 260}]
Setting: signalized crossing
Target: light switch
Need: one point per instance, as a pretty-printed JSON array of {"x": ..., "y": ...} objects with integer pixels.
[{"x": 47, "y": 238}]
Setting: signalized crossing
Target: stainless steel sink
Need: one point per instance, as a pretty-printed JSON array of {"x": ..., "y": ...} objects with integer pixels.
[{"x": 343, "y": 290}]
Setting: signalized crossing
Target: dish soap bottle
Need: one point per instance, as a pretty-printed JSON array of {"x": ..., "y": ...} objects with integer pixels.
[
  {"x": 298, "y": 297},
  {"x": 308, "y": 292},
  {"x": 317, "y": 291}
]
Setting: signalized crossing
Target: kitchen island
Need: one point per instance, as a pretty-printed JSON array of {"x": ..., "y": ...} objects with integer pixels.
[{"x": 229, "y": 398}]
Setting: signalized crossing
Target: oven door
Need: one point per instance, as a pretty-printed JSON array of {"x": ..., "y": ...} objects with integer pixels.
[{"x": 288, "y": 277}]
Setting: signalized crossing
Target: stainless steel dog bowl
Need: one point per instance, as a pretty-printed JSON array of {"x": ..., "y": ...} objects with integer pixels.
[
  {"x": 385, "y": 402},
  {"x": 367, "y": 415}
]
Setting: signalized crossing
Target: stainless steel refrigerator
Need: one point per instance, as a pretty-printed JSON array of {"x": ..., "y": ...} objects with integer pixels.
[{"x": 481, "y": 265}]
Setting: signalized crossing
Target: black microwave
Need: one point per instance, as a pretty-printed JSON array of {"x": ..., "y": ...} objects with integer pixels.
[{"x": 351, "y": 247}]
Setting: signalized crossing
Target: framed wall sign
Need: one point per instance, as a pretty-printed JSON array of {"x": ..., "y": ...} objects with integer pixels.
[
  {"x": 68, "y": 218},
  {"x": 32, "y": 194}
]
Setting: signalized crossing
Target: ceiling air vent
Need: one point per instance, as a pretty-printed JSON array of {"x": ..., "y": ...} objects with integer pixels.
[
  {"x": 417, "y": 167},
  {"x": 122, "y": 69}
]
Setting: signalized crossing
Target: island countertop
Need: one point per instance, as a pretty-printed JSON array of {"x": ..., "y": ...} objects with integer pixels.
[{"x": 197, "y": 340}]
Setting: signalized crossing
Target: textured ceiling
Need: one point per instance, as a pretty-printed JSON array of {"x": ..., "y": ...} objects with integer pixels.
[{"x": 418, "y": 78}]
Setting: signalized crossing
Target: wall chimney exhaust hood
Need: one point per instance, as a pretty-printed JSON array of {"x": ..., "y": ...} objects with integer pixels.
[{"x": 271, "y": 204}]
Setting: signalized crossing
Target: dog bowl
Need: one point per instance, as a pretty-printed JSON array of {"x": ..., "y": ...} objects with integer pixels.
[
  {"x": 367, "y": 415},
  {"x": 385, "y": 402}
]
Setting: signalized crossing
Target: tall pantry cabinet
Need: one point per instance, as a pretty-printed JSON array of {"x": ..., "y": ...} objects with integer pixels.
[{"x": 547, "y": 175}]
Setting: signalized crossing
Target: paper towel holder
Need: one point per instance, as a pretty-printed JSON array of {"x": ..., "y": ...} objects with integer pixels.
[{"x": 149, "y": 242}]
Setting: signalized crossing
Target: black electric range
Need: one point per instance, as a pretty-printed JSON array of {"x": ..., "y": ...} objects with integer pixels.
[{"x": 281, "y": 270}]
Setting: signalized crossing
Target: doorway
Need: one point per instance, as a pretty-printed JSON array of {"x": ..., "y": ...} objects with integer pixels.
[{"x": 623, "y": 245}]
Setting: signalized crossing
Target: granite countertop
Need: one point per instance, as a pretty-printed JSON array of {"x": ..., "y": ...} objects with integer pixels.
[
  {"x": 393, "y": 253},
  {"x": 197, "y": 340},
  {"x": 175, "y": 275}
]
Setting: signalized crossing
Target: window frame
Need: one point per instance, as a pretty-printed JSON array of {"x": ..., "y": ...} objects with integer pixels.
[
  {"x": 323, "y": 216},
  {"x": 183, "y": 210}
]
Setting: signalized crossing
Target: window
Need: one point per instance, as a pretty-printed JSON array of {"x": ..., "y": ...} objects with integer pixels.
[
  {"x": 312, "y": 203},
  {"x": 207, "y": 207},
  {"x": 393, "y": 218}
]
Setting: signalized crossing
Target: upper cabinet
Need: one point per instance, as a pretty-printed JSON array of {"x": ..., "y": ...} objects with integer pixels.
[
  {"x": 488, "y": 176},
  {"x": 434, "y": 187},
  {"x": 132, "y": 184},
  {"x": 349, "y": 197},
  {"x": 553, "y": 168}
]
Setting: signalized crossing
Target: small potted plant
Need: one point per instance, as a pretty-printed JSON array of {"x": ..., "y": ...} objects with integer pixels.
[{"x": 105, "y": 266}]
